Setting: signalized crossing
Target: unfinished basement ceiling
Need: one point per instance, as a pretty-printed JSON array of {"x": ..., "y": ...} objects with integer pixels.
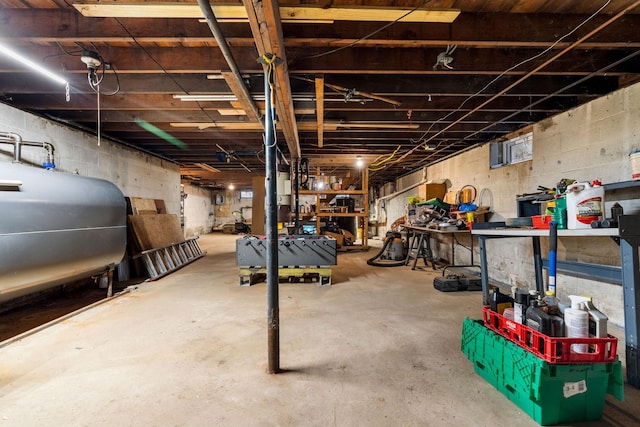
[{"x": 355, "y": 82}]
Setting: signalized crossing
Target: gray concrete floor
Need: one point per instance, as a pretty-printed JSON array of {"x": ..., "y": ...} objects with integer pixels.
[{"x": 380, "y": 347}]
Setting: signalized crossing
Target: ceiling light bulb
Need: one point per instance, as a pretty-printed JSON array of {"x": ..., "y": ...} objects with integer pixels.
[
  {"x": 91, "y": 59},
  {"x": 359, "y": 162},
  {"x": 231, "y": 187}
]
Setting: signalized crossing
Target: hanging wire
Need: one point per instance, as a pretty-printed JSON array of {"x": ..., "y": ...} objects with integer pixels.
[
  {"x": 270, "y": 61},
  {"x": 164, "y": 70},
  {"x": 353, "y": 43},
  {"x": 423, "y": 142},
  {"x": 98, "y": 119},
  {"x": 499, "y": 76},
  {"x": 379, "y": 165}
]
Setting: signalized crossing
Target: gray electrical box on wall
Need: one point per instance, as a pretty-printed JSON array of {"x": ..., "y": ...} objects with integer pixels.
[{"x": 219, "y": 199}]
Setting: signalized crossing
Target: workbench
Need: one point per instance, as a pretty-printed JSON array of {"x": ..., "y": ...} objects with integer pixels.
[
  {"x": 628, "y": 236},
  {"x": 420, "y": 244}
]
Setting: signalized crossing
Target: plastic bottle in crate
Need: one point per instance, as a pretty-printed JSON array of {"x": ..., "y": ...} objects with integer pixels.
[
  {"x": 520, "y": 305},
  {"x": 576, "y": 323},
  {"x": 537, "y": 319}
]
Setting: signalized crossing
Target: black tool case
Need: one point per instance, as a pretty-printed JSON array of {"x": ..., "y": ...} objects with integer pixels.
[{"x": 458, "y": 281}]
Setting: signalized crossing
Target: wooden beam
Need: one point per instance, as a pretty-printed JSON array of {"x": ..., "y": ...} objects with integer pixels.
[
  {"x": 264, "y": 20},
  {"x": 246, "y": 104},
  {"x": 120, "y": 9},
  {"x": 320, "y": 108}
]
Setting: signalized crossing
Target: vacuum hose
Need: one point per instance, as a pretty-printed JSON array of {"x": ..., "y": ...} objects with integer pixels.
[{"x": 389, "y": 237}]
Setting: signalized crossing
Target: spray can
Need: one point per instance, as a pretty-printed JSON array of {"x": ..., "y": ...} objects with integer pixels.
[
  {"x": 576, "y": 323},
  {"x": 585, "y": 204}
]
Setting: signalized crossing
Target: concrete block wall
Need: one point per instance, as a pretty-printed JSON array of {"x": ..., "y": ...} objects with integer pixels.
[
  {"x": 591, "y": 141},
  {"x": 135, "y": 173}
]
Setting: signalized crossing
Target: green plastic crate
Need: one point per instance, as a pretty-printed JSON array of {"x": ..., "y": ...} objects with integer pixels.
[{"x": 548, "y": 393}]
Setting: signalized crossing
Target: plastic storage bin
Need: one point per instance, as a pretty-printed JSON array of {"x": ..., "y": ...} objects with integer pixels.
[{"x": 550, "y": 394}]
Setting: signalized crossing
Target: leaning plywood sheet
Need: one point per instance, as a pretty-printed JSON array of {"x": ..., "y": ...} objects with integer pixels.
[
  {"x": 142, "y": 206},
  {"x": 156, "y": 230}
]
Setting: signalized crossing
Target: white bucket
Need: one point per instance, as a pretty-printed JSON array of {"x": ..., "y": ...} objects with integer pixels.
[
  {"x": 635, "y": 165},
  {"x": 585, "y": 203}
]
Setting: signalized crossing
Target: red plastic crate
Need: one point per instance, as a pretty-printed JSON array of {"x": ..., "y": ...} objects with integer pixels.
[{"x": 552, "y": 349}]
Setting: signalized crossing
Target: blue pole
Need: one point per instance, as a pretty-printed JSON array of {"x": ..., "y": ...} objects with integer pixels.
[{"x": 553, "y": 247}]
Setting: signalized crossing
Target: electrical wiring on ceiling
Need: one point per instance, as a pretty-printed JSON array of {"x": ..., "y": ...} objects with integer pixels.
[
  {"x": 501, "y": 75},
  {"x": 423, "y": 141},
  {"x": 532, "y": 104},
  {"x": 378, "y": 165},
  {"x": 161, "y": 67},
  {"x": 353, "y": 43}
]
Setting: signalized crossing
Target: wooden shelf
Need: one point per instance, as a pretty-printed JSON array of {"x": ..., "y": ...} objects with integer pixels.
[
  {"x": 336, "y": 192},
  {"x": 342, "y": 214},
  {"x": 364, "y": 195}
]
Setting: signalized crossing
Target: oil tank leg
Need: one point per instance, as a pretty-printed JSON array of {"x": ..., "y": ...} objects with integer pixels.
[{"x": 110, "y": 285}]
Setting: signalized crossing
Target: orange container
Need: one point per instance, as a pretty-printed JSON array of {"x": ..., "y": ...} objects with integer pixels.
[{"x": 541, "y": 221}]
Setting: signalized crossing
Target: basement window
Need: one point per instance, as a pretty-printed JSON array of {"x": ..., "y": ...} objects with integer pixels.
[
  {"x": 511, "y": 151},
  {"x": 246, "y": 194}
]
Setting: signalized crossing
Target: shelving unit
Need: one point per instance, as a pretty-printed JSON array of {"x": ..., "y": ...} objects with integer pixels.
[
  {"x": 629, "y": 238},
  {"x": 323, "y": 211}
]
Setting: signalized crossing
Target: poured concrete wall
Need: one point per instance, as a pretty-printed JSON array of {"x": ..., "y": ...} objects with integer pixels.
[
  {"x": 199, "y": 211},
  {"x": 136, "y": 173},
  {"x": 588, "y": 142}
]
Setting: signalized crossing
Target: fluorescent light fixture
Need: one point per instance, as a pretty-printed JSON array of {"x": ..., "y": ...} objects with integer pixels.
[
  {"x": 198, "y": 98},
  {"x": 32, "y": 65},
  {"x": 377, "y": 125},
  {"x": 231, "y": 97},
  {"x": 221, "y": 77},
  {"x": 207, "y": 167},
  {"x": 226, "y": 97}
]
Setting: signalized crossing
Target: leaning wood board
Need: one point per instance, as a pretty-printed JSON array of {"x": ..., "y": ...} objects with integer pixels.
[
  {"x": 155, "y": 231},
  {"x": 143, "y": 206}
]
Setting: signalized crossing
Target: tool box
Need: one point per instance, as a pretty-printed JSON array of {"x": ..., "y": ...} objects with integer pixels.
[{"x": 457, "y": 282}]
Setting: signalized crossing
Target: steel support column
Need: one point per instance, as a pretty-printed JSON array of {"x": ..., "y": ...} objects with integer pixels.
[{"x": 271, "y": 214}]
